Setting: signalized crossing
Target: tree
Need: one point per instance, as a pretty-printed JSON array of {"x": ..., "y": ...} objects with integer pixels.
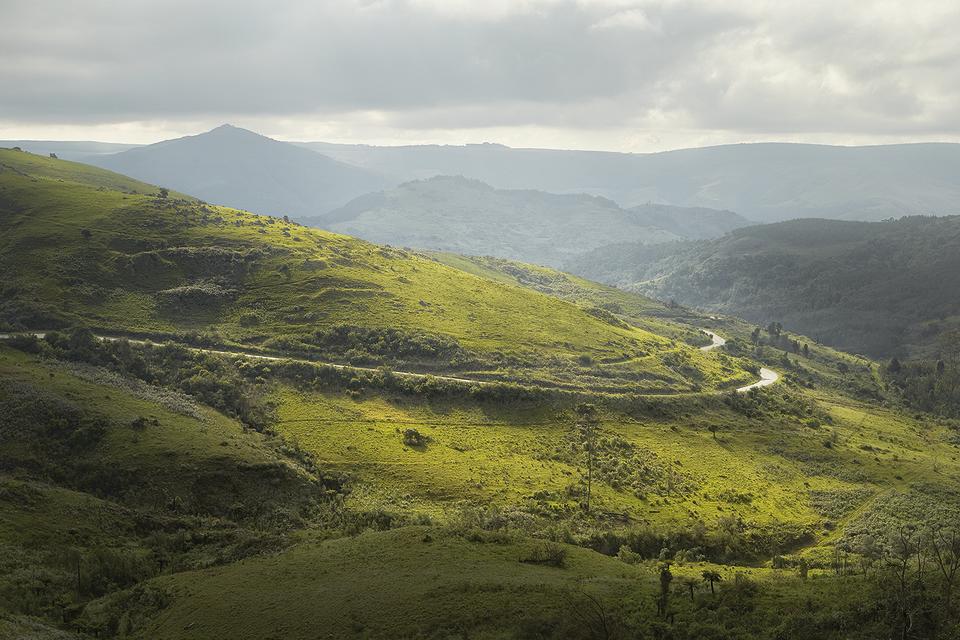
[
  {"x": 690, "y": 584},
  {"x": 755, "y": 335},
  {"x": 593, "y": 614},
  {"x": 666, "y": 577},
  {"x": 774, "y": 329},
  {"x": 164, "y": 192},
  {"x": 587, "y": 421},
  {"x": 945, "y": 549},
  {"x": 712, "y": 577},
  {"x": 894, "y": 366}
]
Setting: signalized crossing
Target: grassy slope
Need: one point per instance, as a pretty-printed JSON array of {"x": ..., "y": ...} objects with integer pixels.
[
  {"x": 771, "y": 468},
  {"x": 762, "y": 469},
  {"x": 175, "y": 489},
  {"x": 301, "y": 280},
  {"x": 437, "y": 583},
  {"x": 638, "y": 310},
  {"x": 445, "y": 585}
]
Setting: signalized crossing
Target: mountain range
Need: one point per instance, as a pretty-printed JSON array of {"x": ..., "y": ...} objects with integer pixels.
[{"x": 765, "y": 182}]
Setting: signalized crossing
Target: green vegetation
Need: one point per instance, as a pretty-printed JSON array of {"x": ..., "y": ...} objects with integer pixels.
[
  {"x": 879, "y": 288},
  {"x": 133, "y": 263},
  {"x": 604, "y": 482}
]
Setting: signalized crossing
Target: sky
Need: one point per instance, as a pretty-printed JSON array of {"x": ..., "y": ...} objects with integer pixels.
[{"x": 621, "y": 75}]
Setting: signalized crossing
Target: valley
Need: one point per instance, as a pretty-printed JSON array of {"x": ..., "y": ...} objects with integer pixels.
[{"x": 217, "y": 422}]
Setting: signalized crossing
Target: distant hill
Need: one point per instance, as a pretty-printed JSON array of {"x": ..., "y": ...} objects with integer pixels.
[
  {"x": 689, "y": 223},
  {"x": 467, "y": 216},
  {"x": 882, "y": 288},
  {"x": 68, "y": 150},
  {"x": 763, "y": 182},
  {"x": 242, "y": 169}
]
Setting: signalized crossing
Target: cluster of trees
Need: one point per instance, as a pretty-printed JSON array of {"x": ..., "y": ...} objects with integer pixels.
[
  {"x": 775, "y": 337},
  {"x": 927, "y": 385}
]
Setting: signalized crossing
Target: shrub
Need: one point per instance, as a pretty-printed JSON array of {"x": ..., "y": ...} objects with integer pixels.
[
  {"x": 547, "y": 553},
  {"x": 415, "y": 439}
]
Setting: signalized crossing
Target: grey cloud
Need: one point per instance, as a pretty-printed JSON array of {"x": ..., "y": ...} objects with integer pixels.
[{"x": 751, "y": 66}]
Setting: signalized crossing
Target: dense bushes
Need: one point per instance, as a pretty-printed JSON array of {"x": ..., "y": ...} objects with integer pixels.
[
  {"x": 44, "y": 430},
  {"x": 932, "y": 386},
  {"x": 213, "y": 380},
  {"x": 374, "y": 346}
]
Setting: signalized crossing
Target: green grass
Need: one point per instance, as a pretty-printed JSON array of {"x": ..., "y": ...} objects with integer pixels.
[
  {"x": 211, "y": 529},
  {"x": 190, "y": 488},
  {"x": 643, "y": 312},
  {"x": 456, "y": 584},
  {"x": 670, "y": 470},
  {"x": 438, "y": 584}
]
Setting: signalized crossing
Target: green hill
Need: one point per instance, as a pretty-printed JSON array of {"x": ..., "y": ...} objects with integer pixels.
[{"x": 132, "y": 262}]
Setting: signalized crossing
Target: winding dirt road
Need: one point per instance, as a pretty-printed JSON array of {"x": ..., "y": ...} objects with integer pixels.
[{"x": 767, "y": 376}]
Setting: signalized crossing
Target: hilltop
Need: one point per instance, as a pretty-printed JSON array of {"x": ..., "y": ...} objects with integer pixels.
[
  {"x": 236, "y": 167},
  {"x": 453, "y": 213}
]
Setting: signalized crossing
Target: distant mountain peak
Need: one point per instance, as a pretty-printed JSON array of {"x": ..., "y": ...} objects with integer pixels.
[{"x": 227, "y": 129}]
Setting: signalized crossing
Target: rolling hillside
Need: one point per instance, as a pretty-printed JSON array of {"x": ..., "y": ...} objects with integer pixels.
[
  {"x": 236, "y": 167},
  {"x": 884, "y": 288},
  {"x": 132, "y": 261},
  {"x": 194, "y": 488},
  {"x": 466, "y": 216}
]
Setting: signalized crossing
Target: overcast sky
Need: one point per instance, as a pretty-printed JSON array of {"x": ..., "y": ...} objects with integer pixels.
[{"x": 594, "y": 74}]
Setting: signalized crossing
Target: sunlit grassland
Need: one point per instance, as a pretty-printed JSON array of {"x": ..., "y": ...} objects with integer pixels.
[
  {"x": 155, "y": 451},
  {"x": 443, "y": 583},
  {"x": 79, "y": 252},
  {"x": 762, "y": 470},
  {"x": 646, "y": 313}
]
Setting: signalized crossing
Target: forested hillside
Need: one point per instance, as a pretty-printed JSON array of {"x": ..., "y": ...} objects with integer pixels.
[{"x": 884, "y": 288}]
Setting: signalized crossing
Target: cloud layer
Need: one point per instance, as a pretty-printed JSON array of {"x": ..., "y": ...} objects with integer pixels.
[{"x": 600, "y": 73}]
